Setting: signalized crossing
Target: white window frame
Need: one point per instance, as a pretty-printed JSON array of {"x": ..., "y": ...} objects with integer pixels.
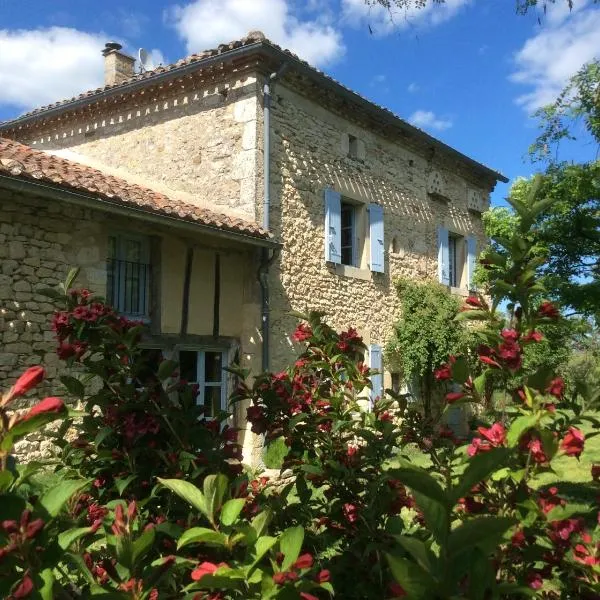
[
  {"x": 144, "y": 241},
  {"x": 201, "y": 374}
]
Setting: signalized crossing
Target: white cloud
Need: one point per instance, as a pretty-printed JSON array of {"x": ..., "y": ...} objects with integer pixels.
[
  {"x": 204, "y": 24},
  {"x": 383, "y": 21},
  {"x": 41, "y": 66},
  {"x": 413, "y": 88},
  {"x": 548, "y": 59},
  {"x": 45, "y": 65},
  {"x": 427, "y": 119}
]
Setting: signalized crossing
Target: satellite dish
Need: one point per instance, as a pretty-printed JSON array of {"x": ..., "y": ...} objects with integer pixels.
[{"x": 146, "y": 63}]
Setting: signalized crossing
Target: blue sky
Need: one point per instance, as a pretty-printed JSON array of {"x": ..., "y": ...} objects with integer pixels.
[{"x": 470, "y": 72}]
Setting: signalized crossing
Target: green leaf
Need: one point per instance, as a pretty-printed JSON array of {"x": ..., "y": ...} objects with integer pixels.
[
  {"x": 80, "y": 563},
  {"x": 215, "y": 488},
  {"x": 418, "y": 550},
  {"x": 478, "y": 531},
  {"x": 71, "y": 276},
  {"x": 231, "y": 511},
  {"x": 479, "y": 382},
  {"x": 420, "y": 481},
  {"x": 166, "y": 369},
  {"x": 142, "y": 545},
  {"x": 471, "y": 315},
  {"x": 290, "y": 544},
  {"x": 261, "y": 521},
  {"x": 560, "y": 513},
  {"x": 415, "y": 581},
  {"x": 50, "y": 293},
  {"x": 436, "y": 516},
  {"x": 54, "y": 499},
  {"x": 479, "y": 468},
  {"x": 121, "y": 484},
  {"x": 188, "y": 492},
  {"x": 46, "y": 590},
  {"x": 460, "y": 370},
  {"x": 102, "y": 435},
  {"x": 73, "y": 385},
  {"x": 519, "y": 426},
  {"x": 66, "y": 538},
  {"x": 6, "y": 479},
  {"x": 201, "y": 535},
  {"x": 262, "y": 546}
]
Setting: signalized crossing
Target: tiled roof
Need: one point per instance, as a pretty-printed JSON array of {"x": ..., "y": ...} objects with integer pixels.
[
  {"x": 21, "y": 161},
  {"x": 253, "y": 39}
]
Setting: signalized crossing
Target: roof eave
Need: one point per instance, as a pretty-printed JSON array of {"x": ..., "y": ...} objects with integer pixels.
[{"x": 95, "y": 202}]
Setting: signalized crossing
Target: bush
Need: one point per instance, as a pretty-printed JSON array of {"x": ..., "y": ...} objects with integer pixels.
[{"x": 148, "y": 498}]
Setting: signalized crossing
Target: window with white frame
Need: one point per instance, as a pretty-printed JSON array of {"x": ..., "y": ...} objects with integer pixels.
[
  {"x": 128, "y": 274},
  {"x": 456, "y": 244},
  {"x": 349, "y": 241},
  {"x": 206, "y": 368}
]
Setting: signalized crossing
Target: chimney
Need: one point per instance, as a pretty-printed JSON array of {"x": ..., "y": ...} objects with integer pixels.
[{"x": 118, "y": 67}]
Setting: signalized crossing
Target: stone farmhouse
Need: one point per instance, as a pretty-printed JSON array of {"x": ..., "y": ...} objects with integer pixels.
[{"x": 213, "y": 196}]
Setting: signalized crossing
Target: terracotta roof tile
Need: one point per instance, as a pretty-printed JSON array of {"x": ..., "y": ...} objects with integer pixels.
[{"x": 21, "y": 161}]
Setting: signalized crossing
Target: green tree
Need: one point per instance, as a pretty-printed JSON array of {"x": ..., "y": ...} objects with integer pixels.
[{"x": 425, "y": 335}]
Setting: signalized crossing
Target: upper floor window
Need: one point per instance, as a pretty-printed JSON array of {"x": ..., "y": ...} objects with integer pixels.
[
  {"x": 343, "y": 245},
  {"x": 128, "y": 274},
  {"x": 206, "y": 368},
  {"x": 456, "y": 259}
]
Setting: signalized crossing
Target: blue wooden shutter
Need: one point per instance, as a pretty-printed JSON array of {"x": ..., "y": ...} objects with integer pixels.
[
  {"x": 471, "y": 256},
  {"x": 377, "y": 258},
  {"x": 376, "y": 363},
  {"x": 443, "y": 256},
  {"x": 333, "y": 226}
]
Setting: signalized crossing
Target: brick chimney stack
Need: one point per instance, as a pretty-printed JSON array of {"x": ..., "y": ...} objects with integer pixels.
[{"x": 118, "y": 67}]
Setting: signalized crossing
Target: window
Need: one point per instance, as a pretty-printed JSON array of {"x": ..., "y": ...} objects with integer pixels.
[
  {"x": 352, "y": 146},
  {"x": 345, "y": 242},
  {"x": 128, "y": 274},
  {"x": 206, "y": 369},
  {"x": 456, "y": 259},
  {"x": 455, "y": 264},
  {"x": 348, "y": 234}
]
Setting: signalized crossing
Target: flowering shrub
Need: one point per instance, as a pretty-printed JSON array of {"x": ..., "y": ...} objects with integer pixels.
[{"x": 147, "y": 498}]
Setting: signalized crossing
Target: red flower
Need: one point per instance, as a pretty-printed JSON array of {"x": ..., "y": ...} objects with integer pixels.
[
  {"x": 533, "y": 336},
  {"x": 205, "y": 568},
  {"x": 548, "y": 310},
  {"x": 46, "y": 406},
  {"x": 510, "y": 352},
  {"x": 350, "y": 512},
  {"x": 24, "y": 588},
  {"x": 489, "y": 361},
  {"x": 454, "y": 396},
  {"x": 280, "y": 578},
  {"x": 307, "y": 596},
  {"x": 443, "y": 373},
  {"x": 572, "y": 443},
  {"x": 304, "y": 562},
  {"x": 473, "y": 301},
  {"x": 495, "y": 435},
  {"x": 322, "y": 576},
  {"x": 510, "y": 335},
  {"x": 518, "y": 538},
  {"x": 32, "y": 377},
  {"x": 534, "y": 580},
  {"x": 303, "y": 332},
  {"x": 397, "y": 590},
  {"x": 556, "y": 387}
]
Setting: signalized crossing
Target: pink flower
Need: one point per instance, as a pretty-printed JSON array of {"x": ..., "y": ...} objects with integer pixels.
[
  {"x": 454, "y": 396},
  {"x": 473, "y": 301},
  {"x": 305, "y": 561},
  {"x": 572, "y": 443},
  {"x": 548, "y": 310},
  {"x": 307, "y": 596},
  {"x": 350, "y": 512},
  {"x": 24, "y": 589},
  {"x": 556, "y": 387},
  {"x": 510, "y": 335},
  {"x": 30, "y": 379},
  {"x": 46, "y": 406},
  {"x": 302, "y": 333},
  {"x": 533, "y": 336},
  {"x": 205, "y": 568},
  {"x": 443, "y": 373},
  {"x": 322, "y": 576}
]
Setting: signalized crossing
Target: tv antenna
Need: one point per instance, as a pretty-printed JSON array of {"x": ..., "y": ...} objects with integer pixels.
[{"x": 146, "y": 63}]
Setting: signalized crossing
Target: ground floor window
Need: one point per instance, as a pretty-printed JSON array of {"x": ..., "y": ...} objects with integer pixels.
[{"x": 206, "y": 369}]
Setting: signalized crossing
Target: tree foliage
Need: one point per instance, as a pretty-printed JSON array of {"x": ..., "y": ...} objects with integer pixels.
[{"x": 426, "y": 333}]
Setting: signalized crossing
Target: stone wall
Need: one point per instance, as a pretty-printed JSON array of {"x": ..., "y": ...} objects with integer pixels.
[
  {"x": 198, "y": 143},
  {"x": 311, "y": 152},
  {"x": 41, "y": 239}
]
